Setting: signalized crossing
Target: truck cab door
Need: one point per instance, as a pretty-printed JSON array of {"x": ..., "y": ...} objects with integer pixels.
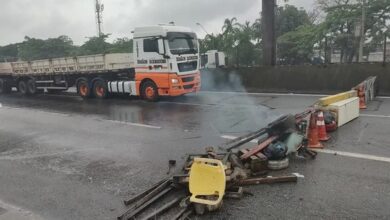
[{"x": 152, "y": 55}]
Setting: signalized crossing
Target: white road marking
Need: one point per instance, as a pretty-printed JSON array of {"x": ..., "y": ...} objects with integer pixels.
[
  {"x": 134, "y": 124},
  {"x": 233, "y": 137},
  {"x": 355, "y": 155},
  {"x": 375, "y": 116},
  {"x": 185, "y": 103},
  {"x": 269, "y": 94},
  {"x": 298, "y": 175},
  {"x": 340, "y": 153},
  {"x": 383, "y": 97}
]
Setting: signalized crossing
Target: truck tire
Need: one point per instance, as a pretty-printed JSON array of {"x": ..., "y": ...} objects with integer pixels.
[
  {"x": 31, "y": 87},
  {"x": 149, "y": 91},
  {"x": 83, "y": 89},
  {"x": 100, "y": 89},
  {"x": 5, "y": 88},
  {"x": 22, "y": 87}
]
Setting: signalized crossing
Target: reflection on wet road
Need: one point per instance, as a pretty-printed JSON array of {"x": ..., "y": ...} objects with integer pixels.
[{"x": 224, "y": 113}]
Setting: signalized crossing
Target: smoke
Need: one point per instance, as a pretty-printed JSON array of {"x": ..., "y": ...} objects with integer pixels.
[{"x": 247, "y": 112}]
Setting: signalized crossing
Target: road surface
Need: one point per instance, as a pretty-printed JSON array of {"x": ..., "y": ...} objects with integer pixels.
[{"x": 62, "y": 157}]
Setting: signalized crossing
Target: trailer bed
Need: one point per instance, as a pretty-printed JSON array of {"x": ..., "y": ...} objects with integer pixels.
[{"x": 93, "y": 64}]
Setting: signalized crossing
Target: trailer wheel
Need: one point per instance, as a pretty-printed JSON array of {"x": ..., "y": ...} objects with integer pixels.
[
  {"x": 83, "y": 89},
  {"x": 22, "y": 87},
  {"x": 100, "y": 89},
  {"x": 31, "y": 87},
  {"x": 5, "y": 88},
  {"x": 149, "y": 91}
]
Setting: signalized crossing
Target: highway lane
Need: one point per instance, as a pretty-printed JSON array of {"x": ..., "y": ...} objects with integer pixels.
[{"x": 66, "y": 158}]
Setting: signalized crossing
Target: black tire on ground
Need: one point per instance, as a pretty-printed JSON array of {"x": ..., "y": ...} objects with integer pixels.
[
  {"x": 100, "y": 89},
  {"x": 83, "y": 89},
  {"x": 149, "y": 91},
  {"x": 22, "y": 87},
  {"x": 5, "y": 88},
  {"x": 31, "y": 87}
]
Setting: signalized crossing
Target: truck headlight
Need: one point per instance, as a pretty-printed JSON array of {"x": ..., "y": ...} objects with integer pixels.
[{"x": 175, "y": 81}]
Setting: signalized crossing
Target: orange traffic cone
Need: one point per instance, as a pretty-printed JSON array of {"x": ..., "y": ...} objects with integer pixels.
[
  {"x": 322, "y": 135},
  {"x": 313, "y": 133},
  {"x": 362, "y": 97}
]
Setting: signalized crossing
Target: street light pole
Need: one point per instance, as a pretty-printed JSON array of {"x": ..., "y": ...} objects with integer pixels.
[{"x": 207, "y": 33}]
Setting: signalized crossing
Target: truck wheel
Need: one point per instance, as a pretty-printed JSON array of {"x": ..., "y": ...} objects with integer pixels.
[
  {"x": 5, "y": 88},
  {"x": 31, "y": 87},
  {"x": 100, "y": 89},
  {"x": 149, "y": 91},
  {"x": 83, "y": 89},
  {"x": 22, "y": 87}
]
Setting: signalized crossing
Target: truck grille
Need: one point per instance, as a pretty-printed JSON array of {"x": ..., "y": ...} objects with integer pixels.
[
  {"x": 188, "y": 79},
  {"x": 188, "y": 86},
  {"x": 189, "y": 66}
]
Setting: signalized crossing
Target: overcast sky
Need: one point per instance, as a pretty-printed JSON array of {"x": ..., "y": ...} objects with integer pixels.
[{"x": 75, "y": 18}]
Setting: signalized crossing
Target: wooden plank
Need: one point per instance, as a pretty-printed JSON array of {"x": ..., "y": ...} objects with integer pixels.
[{"x": 259, "y": 148}]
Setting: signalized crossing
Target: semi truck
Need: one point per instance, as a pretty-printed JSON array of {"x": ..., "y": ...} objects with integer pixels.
[{"x": 164, "y": 62}]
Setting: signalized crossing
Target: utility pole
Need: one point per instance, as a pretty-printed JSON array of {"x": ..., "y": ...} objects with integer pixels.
[
  {"x": 385, "y": 51},
  {"x": 99, "y": 16},
  {"x": 269, "y": 38},
  {"x": 362, "y": 31}
]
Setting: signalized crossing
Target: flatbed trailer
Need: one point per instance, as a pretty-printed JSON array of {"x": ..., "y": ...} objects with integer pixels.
[{"x": 165, "y": 62}]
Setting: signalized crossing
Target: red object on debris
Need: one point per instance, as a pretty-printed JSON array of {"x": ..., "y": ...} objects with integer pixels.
[
  {"x": 313, "y": 133},
  {"x": 331, "y": 127},
  {"x": 322, "y": 135},
  {"x": 258, "y": 148}
]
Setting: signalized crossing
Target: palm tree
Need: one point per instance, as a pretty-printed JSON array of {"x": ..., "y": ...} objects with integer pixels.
[{"x": 229, "y": 25}]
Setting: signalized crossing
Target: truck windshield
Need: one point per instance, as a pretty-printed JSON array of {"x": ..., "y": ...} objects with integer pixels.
[{"x": 183, "y": 43}]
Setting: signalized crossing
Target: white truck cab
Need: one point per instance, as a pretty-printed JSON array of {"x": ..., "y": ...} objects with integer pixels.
[{"x": 171, "y": 52}]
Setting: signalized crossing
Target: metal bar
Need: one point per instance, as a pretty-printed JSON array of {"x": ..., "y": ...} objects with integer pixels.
[
  {"x": 132, "y": 212},
  {"x": 163, "y": 208},
  {"x": 144, "y": 193},
  {"x": 180, "y": 213},
  {"x": 152, "y": 193},
  {"x": 241, "y": 138},
  {"x": 267, "y": 180},
  {"x": 186, "y": 214},
  {"x": 248, "y": 139}
]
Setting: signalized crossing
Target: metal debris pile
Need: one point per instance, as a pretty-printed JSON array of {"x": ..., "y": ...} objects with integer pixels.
[{"x": 223, "y": 171}]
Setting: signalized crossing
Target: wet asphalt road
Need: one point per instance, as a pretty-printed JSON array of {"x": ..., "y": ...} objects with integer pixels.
[{"x": 62, "y": 157}]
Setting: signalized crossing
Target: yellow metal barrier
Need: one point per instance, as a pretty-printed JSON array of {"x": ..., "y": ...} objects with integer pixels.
[{"x": 337, "y": 98}]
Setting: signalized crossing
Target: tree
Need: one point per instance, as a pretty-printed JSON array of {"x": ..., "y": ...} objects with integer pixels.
[
  {"x": 95, "y": 45},
  {"x": 343, "y": 19},
  {"x": 289, "y": 18},
  {"x": 9, "y": 52},
  {"x": 122, "y": 45},
  {"x": 296, "y": 47},
  {"x": 35, "y": 49}
]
